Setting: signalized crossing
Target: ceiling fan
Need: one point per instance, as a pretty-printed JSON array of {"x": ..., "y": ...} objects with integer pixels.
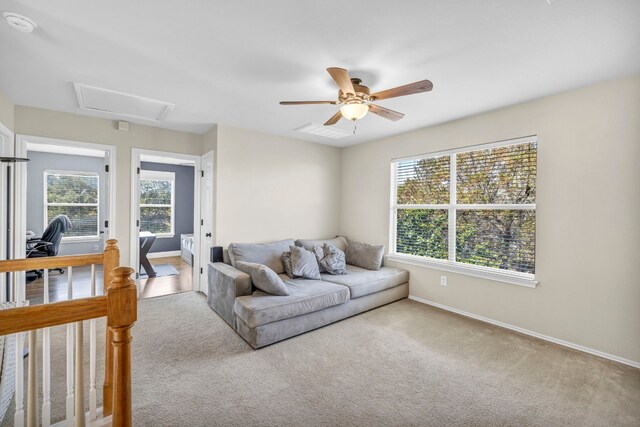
[{"x": 356, "y": 98}]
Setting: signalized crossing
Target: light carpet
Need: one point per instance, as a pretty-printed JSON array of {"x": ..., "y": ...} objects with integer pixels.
[{"x": 404, "y": 364}]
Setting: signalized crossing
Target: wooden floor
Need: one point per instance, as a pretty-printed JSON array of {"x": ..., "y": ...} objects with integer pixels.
[
  {"x": 158, "y": 286},
  {"x": 81, "y": 283}
]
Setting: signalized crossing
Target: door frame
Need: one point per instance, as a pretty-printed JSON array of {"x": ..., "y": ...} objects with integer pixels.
[
  {"x": 6, "y": 149},
  {"x": 20, "y": 197},
  {"x": 134, "y": 243},
  {"x": 205, "y": 252}
]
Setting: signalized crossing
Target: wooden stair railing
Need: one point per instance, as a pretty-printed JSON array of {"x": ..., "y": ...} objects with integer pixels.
[{"x": 119, "y": 305}]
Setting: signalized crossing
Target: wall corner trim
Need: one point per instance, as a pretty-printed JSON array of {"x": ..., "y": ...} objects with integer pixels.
[{"x": 530, "y": 333}]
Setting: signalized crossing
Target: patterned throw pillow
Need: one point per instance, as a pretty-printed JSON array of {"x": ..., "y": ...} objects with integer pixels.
[{"x": 331, "y": 259}]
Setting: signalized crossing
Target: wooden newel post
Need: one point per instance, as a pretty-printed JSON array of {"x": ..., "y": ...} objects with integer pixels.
[
  {"x": 122, "y": 312},
  {"x": 110, "y": 262}
]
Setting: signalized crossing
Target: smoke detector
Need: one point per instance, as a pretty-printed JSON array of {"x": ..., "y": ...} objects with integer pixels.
[{"x": 20, "y": 22}]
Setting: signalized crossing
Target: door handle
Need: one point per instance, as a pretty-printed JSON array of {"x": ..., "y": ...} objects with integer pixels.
[{"x": 207, "y": 235}]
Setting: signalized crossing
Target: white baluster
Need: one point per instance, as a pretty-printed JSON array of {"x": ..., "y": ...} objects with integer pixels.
[
  {"x": 79, "y": 389},
  {"x": 93, "y": 405},
  {"x": 70, "y": 400},
  {"x": 32, "y": 381},
  {"x": 46, "y": 362},
  {"x": 18, "y": 292},
  {"x": 18, "y": 418}
]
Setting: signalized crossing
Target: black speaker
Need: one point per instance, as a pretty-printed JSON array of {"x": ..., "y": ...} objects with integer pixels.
[{"x": 216, "y": 254}]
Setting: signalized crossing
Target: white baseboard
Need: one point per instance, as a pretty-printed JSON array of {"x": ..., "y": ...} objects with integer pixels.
[
  {"x": 152, "y": 255},
  {"x": 530, "y": 333}
]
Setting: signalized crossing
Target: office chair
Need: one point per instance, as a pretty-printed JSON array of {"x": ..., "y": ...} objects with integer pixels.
[{"x": 49, "y": 243}]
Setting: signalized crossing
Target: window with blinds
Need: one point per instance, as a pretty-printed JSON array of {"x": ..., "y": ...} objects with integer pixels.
[
  {"x": 157, "y": 202},
  {"x": 473, "y": 208},
  {"x": 76, "y": 195}
]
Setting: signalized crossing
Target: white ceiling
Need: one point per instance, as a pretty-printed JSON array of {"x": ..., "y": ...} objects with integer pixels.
[{"x": 230, "y": 62}]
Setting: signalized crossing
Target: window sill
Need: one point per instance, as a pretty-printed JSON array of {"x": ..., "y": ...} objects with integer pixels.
[
  {"x": 519, "y": 279},
  {"x": 165, "y": 236},
  {"x": 81, "y": 239}
]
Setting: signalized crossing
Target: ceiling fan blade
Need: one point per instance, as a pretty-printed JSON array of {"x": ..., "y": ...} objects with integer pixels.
[
  {"x": 334, "y": 119},
  {"x": 410, "y": 89},
  {"x": 341, "y": 76},
  {"x": 307, "y": 102},
  {"x": 385, "y": 112}
]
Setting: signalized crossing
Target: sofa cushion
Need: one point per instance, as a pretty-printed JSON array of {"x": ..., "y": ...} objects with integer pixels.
[
  {"x": 362, "y": 282},
  {"x": 305, "y": 296},
  {"x": 260, "y": 253},
  {"x": 263, "y": 278},
  {"x": 364, "y": 255},
  {"x": 339, "y": 242}
]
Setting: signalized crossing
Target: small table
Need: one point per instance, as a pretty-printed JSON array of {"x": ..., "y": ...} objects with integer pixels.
[{"x": 146, "y": 241}]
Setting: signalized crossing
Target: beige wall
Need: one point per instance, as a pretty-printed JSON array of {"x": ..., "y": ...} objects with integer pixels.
[
  {"x": 53, "y": 124},
  {"x": 270, "y": 187},
  {"x": 267, "y": 187},
  {"x": 588, "y": 214},
  {"x": 210, "y": 140},
  {"x": 6, "y": 111}
]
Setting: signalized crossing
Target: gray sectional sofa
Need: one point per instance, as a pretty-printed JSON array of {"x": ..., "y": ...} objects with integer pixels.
[{"x": 263, "y": 319}]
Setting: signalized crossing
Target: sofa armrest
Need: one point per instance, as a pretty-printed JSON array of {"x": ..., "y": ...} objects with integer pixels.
[{"x": 225, "y": 284}]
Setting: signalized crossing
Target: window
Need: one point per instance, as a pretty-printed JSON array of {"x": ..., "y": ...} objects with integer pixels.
[
  {"x": 157, "y": 200},
  {"x": 484, "y": 224},
  {"x": 76, "y": 195}
]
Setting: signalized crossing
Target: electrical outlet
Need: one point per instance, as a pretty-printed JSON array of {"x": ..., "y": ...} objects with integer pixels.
[
  {"x": 443, "y": 280},
  {"x": 95, "y": 247}
]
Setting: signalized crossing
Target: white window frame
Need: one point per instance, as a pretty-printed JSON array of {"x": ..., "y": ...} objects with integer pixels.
[
  {"x": 162, "y": 176},
  {"x": 87, "y": 238},
  {"x": 450, "y": 264}
]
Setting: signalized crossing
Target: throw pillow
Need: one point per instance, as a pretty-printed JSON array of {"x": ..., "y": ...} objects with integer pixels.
[
  {"x": 364, "y": 255},
  {"x": 263, "y": 278},
  {"x": 319, "y": 253},
  {"x": 286, "y": 261},
  {"x": 331, "y": 259},
  {"x": 304, "y": 263}
]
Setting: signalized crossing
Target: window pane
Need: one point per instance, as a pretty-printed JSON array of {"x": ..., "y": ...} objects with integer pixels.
[
  {"x": 497, "y": 175},
  {"x": 84, "y": 219},
  {"x": 155, "y": 192},
  {"x": 424, "y": 181},
  {"x": 503, "y": 239},
  {"x": 423, "y": 232},
  {"x": 63, "y": 188},
  {"x": 155, "y": 219}
]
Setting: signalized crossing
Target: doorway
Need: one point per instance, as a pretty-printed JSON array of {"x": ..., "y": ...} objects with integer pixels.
[
  {"x": 165, "y": 237},
  {"x": 68, "y": 179}
]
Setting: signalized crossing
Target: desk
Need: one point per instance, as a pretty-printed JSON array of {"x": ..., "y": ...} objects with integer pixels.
[{"x": 146, "y": 241}]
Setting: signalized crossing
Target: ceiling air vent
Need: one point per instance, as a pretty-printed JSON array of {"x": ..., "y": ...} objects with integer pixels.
[
  {"x": 325, "y": 131},
  {"x": 123, "y": 104}
]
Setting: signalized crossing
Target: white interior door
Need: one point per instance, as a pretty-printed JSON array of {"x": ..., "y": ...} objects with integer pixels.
[
  {"x": 135, "y": 216},
  {"x": 106, "y": 220},
  {"x": 206, "y": 215}
]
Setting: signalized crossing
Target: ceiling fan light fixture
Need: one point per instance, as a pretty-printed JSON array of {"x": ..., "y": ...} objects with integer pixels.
[{"x": 354, "y": 111}]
